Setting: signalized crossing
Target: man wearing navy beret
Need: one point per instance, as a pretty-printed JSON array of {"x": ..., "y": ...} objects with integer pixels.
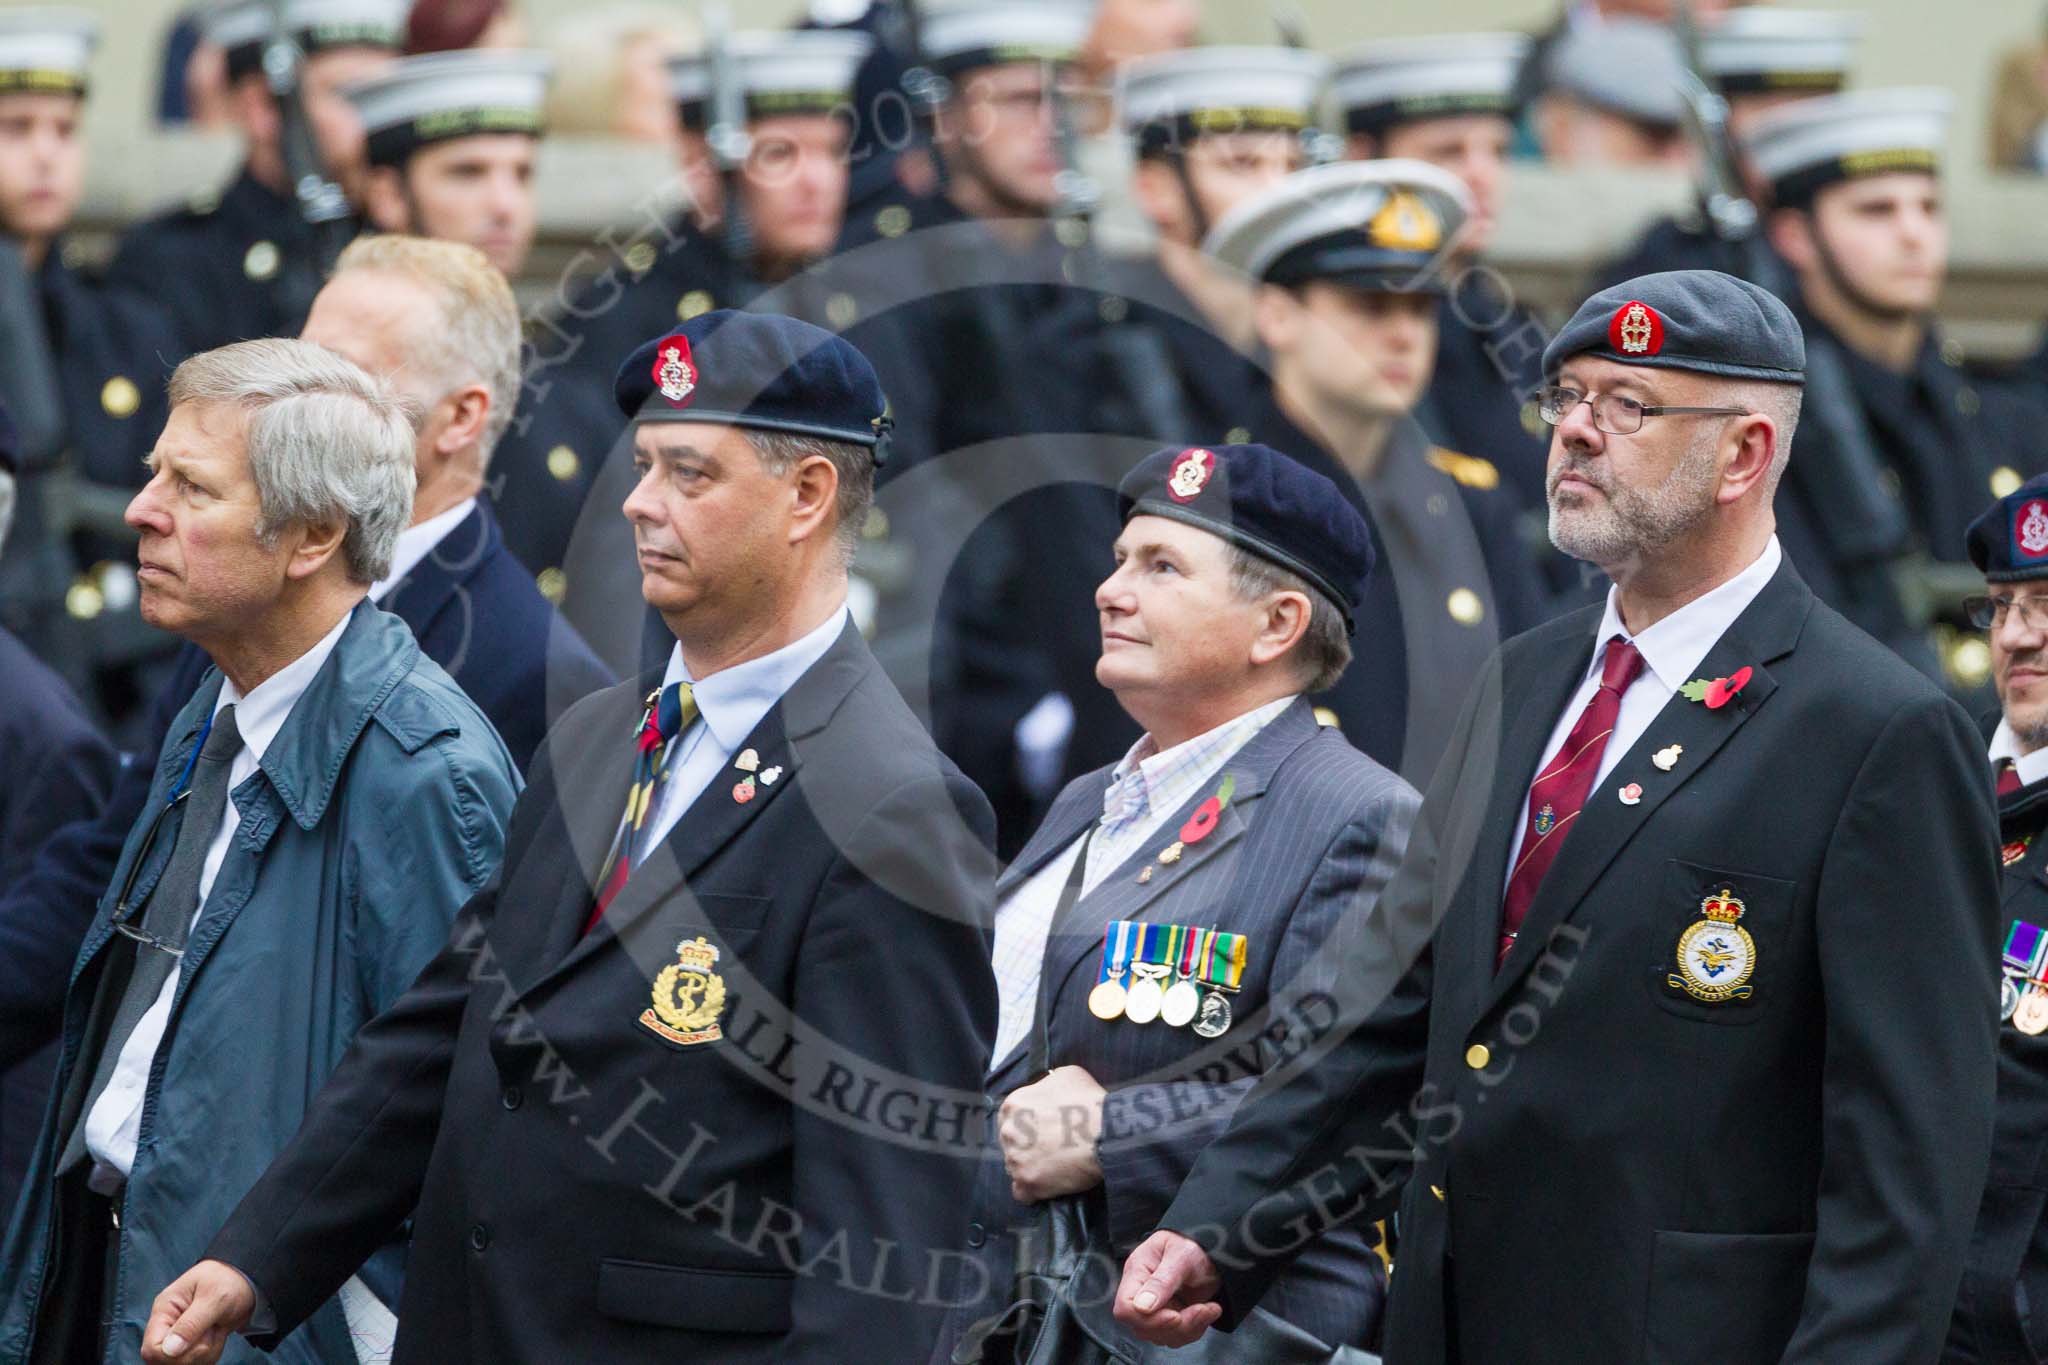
[
  {"x": 1685, "y": 1052},
  {"x": 1163, "y": 938},
  {"x": 698, "y": 1075},
  {"x": 1999, "y": 1313}
]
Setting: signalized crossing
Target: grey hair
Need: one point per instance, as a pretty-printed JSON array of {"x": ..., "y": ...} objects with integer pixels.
[
  {"x": 1324, "y": 650},
  {"x": 475, "y": 336},
  {"x": 780, "y": 451},
  {"x": 1781, "y": 403},
  {"x": 326, "y": 442},
  {"x": 6, "y": 506}
]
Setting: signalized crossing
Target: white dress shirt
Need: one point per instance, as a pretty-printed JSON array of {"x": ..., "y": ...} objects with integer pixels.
[
  {"x": 730, "y": 703},
  {"x": 1672, "y": 650},
  {"x": 415, "y": 543},
  {"x": 2005, "y": 744},
  {"x": 1146, "y": 789},
  {"x": 115, "y": 1123}
]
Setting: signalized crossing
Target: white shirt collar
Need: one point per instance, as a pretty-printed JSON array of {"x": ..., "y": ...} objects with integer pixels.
[
  {"x": 260, "y": 715},
  {"x": 2031, "y": 767},
  {"x": 1167, "y": 777},
  {"x": 733, "y": 700},
  {"x": 1672, "y": 648},
  {"x": 416, "y": 542}
]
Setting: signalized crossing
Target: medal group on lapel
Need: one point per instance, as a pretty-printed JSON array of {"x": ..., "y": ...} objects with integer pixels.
[
  {"x": 2023, "y": 985},
  {"x": 1175, "y": 974}
]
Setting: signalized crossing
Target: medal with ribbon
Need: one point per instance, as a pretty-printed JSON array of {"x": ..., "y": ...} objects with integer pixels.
[
  {"x": 2023, "y": 985},
  {"x": 1106, "y": 1001}
]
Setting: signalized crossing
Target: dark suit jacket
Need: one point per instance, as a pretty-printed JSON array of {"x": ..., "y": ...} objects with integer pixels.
[
  {"x": 1604, "y": 1167},
  {"x": 586, "y": 1189},
  {"x": 58, "y": 770},
  {"x": 474, "y": 612},
  {"x": 2001, "y": 1315},
  {"x": 1313, "y": 830}
]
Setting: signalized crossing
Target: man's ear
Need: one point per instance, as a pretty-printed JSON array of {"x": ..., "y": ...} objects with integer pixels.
[
  {"x": 1756, "y": 445},
  {"x": 1157, "y": 191},
  {"x": 471, "y": 408},
  {"x": 814, "y": 497},
  {"x": 1277, "y": 315},
  {"x": 1791, "y": 236},
  {"x": 317, "y": 545},
  {"x": 1286, "y": 621},
  {"x": 384, "y": 201}
]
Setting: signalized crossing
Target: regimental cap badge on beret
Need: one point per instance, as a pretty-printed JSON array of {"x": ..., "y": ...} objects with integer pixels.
[
  {"x": 1191, "y": 475},
  {"x": 2030, "y": 529},
  {"x": 1636, "y": 329},
  {"x": 675, "y": 375}
]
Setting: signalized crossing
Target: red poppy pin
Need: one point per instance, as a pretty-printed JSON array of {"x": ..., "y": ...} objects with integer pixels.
[
  {"x": 1203, "y": 822},
  {"x": 1718, "y": 692}
]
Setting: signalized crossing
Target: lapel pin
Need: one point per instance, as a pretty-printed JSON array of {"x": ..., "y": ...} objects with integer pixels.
[
  {"x": 1631, "y": 794},
  {"x": 744, "y": 792},
  {"x": 747, "y": 761},
  {"x": 1171, "y": 853},
  {"x": 1717, "y": 692},
  {"x": 768, "y": 776},
  {"x": 1146, "y": 875},
  {"x": 1667, "y": 758}
]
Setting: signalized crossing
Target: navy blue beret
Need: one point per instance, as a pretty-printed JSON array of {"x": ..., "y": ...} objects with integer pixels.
[
  {"x": 2010, "y": 541},
  {"x": 1698, "y": 320},
  {"x": 1260, "y": 500},
  {"x": 756, "y": 370}
]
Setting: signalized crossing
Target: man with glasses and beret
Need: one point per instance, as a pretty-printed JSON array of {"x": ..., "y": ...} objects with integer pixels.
[
  {"x": 698, "y": 1077},
  {"x": 1672, "y": 1031},
  {"x": 1998, "y": 1313}
]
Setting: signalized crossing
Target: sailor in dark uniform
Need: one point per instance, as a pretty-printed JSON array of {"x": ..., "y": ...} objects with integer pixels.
[
  {"x": 1758, "y": 58},
  {"x": 1348, "y": 261},
  {"x": 743, "y": 233},
  {"x": 99, "y": 355},
  {"x": 1445, "y": 100},
  {"x": 241, "y": 262},
  {"x": 2005, "y": 1277},
  {"x": 1858, "y": 215}
]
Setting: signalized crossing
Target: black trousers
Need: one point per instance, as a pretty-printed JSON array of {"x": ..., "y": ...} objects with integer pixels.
[{"x": 71, "y": 1328}]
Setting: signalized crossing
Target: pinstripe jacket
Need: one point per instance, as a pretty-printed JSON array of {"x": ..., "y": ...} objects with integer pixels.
[{"x": 1313, "y": 830}]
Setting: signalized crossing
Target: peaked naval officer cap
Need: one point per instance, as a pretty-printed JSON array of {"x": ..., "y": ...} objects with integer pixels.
[
  {"x": 46, "y": 51},
  {"x": 1760, "y": 50},
  {"x": 242, "y": 29},
  {"x": 807, "y": 71},
  {"x": 1377, "y": 225},
  {"x": 1398, "y": 80},
  {"x": 756, "y": 370},
  {"x": 1167, "y": 101},
  {"x": 1699, "y": 320},
  {"x": 2010, "y": 541},
  {"x": 444, "y": 95},
  {"x": 1805, "y": 147},
  {"x": 963, "y": 37},
  {"x": 1630, "y": 68},
  {"x": 1264, "y": 503}
]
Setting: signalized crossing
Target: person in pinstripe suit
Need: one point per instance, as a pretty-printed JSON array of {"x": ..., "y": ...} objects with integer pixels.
[{"x": 1237, "y": 573}]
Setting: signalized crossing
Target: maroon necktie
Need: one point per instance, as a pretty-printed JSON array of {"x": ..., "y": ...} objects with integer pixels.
[
  {"x": 1559, "y": 792},
  {"x": 2008, "y": 777}
]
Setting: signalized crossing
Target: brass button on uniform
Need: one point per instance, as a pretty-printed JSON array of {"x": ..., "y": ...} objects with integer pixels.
[
  {"x": 893, "y": 221},
  {"x": 553, "y": 584},
  {"x": 1968, "y": 403},
  {"x": 1478, "y": 1056},
  {"x": 1465, "y": 607},
  {"x": 120, "y": 397},
  {"x": 563, "y": 464},
  {"x": 260, "y": 262},
  {"x": 639, "y": 257},
  {"x": 1951, "y": 352},
  {"x": 1237, "y": 436},
  {"x": 694, "y": 304},
  {"x": 842, "y": 311},
  {"x": 2005, "y": 481}
]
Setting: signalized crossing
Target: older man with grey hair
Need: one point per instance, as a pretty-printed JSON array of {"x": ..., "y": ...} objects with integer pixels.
[{"x": 322, "y": 807}]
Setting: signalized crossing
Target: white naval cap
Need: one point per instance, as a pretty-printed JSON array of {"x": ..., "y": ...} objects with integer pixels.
[
  {"x": 241, "y": 29},
  {"x": 442, "y": 95},
  {"x": 1761, "y": 50},
  {"x": 1804, "y": 147},
  {"x": 1172, "y": 98},
  {"x": 978, "y": 33},
  {"x": 1628, "y": 67},
  {"x": 46, "y": 50},
  {"x": 1396, "y": 80},
  {"x": 1378, "y": 225},
  {"x": 802, "y": 71}
]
